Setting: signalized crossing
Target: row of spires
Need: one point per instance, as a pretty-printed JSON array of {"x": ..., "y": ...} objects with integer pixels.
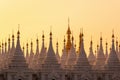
[{"x": 70, "y": 58}]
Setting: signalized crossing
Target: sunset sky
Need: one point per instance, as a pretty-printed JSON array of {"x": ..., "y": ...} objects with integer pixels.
[{"x": 35, "y": 16}]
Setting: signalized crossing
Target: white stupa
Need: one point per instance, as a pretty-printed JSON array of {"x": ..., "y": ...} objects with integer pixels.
[
  {"x": 42, "y": 54},
  {"x": 91, "y": 56},
  {"x": 71, "y": 59},
  {"x": 64, "y": 56},
  {"x": 51, "y": 69},
  {"x": 82, "y": 63},
  {"x": 100, "y": 59},
  {"x": 18, "y": 68},
  {"x": 112, "y": 62}
]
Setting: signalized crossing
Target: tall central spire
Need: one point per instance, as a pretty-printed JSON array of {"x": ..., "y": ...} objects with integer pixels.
[{"x": 68, "y": 45}]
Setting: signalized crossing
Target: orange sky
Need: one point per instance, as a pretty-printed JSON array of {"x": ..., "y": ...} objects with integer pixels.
[{"x": 34, "y": 16}]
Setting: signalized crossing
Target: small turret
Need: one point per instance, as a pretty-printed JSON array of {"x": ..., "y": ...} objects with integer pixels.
[
  {"x": 106, "y": 54},
  {"x": 57, "y": 53},
  {"x": 91, "y": 56}
]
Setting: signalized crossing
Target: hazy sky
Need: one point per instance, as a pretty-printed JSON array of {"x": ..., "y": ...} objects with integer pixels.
[{"x": 35, "y": 16}]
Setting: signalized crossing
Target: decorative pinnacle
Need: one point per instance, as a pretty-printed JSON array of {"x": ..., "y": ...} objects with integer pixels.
[
  {"x": 2, "y": 44},
  {"x": 31, "y": 43},
  {"x": 18, "y": 33},
  {"x": 27, "y": 45},
  {"x": 68, "y": 31},
  {"x": 97, "y": 46},
  {"x": 91, "y": 41},
  {"x": 68, "y": 22},
  {"x": 50, "y": 31},
  {"x": 57, "y": 44},
  {"x": 106, "y": 43},
  {"x": 9, "y": 39},
  {"x": 43, "y": 35},
  {"x": 12, "y": 34},
  {"x": 113, "y": 34},
  {"x": 82, "y": 32},
  {"x": 101, "y": 36},
  {"x": 37, "y": 40}
]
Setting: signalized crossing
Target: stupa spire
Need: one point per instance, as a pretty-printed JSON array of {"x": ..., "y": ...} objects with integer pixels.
[
  {"x": 117, "y": 52},
  {"x": 71, "y": 59},
  {"x": 43, "y": 45},
  {"x": 80, "y": 39},
  {"x": 37, "y": 46},
  {"x": 100, "y": 59},
  {"x": 68, "y": 44},
  {"x": 57, "y": 52},
  {"x": 106, "y": 54},
  {"x": 112, "y": 61},
  {"x": 9, "y": 44},
  {"x": 42, "y": 54},
  {"x": 18, "y": 60},
  {"x": 113, "y": 47},
  {"x": 50, "y": 57},
  {"x": 91, "y": 56},
  {"x": 64, "y": 54},
  {"x": 2, "y": 48},
  {"x": 31, "y": 50},
  {"x": 13, "y": 45},
  {"x": 27, "y": 52},
  {"x": 82, "y": 62},
  {"x": 5, "y": 47}
]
